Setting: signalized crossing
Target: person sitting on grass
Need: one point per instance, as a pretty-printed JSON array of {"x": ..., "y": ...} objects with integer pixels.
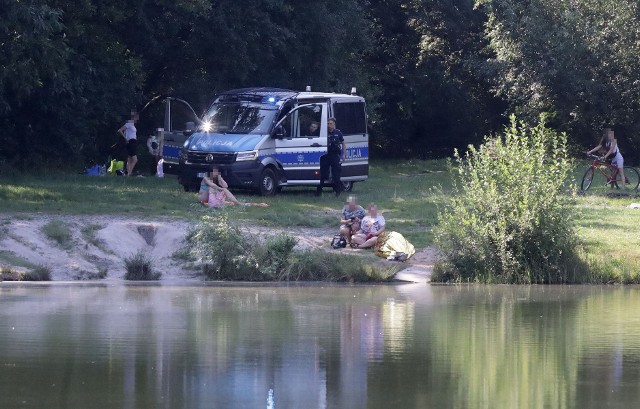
[
  {"x": 214, "y": 191},
  {"x": 352, "y": 215},
  {"x": 372, "y": 226}
]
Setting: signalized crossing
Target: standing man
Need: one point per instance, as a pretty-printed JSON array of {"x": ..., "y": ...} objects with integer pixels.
[
  {"x": 129, "y": 132},
  {"x": 336, "y": 151}
]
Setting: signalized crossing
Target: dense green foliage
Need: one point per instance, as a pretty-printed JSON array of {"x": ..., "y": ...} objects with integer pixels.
[
  {"x": 511, "y": 219},
  {"x": 436, "y": 74},
  {"x": 226, "y": 251},
  {"x": 576, "y": 59}
]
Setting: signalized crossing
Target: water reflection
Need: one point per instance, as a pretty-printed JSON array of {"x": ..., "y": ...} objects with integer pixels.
[{"x": 406, "y": 346}]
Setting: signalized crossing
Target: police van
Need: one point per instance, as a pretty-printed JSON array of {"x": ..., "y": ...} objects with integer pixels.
[{"x": 267, "y": 138}]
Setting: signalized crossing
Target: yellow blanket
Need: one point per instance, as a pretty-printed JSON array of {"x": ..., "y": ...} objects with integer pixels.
[{"x": 390, "y": 242}]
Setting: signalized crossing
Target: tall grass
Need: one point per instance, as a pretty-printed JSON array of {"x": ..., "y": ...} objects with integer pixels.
[
  {"x": 59, "y": 232},
  {"x": 511, "y": 217},
  {"x": 89, "y": 234},
  {"x": 140, "y": 267}
]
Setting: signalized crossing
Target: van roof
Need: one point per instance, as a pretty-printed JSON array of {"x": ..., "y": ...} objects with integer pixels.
[
  {"x": 281, "y": 93},
  {"x": 262, "y": 91}
]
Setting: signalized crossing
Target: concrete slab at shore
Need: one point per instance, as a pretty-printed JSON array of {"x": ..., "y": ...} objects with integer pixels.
[{"x": 414, "y": 274}]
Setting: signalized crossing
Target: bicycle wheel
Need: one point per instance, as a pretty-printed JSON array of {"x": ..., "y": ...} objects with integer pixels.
[
  {"x": 587, "y": 179},
  {"x": 632, "y": 177}
]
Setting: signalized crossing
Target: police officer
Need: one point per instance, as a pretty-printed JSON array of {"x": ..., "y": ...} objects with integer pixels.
[{"x": 336, "y": 150}]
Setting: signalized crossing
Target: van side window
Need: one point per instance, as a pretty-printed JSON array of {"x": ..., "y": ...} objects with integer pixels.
[
  {"x": 350, "y": 117},
  {"x": 309, "y": 119}
]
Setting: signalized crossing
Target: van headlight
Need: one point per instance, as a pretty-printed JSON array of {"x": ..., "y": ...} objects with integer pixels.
[{"x": 248, "y": 155}]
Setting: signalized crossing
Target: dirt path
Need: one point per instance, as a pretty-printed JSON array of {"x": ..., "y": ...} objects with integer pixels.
[{"x": 99, "y": 244}]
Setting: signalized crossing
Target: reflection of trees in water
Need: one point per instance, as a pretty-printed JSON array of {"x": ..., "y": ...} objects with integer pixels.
[
  {"x": 496, "y": 351},
  {"x": 337, "y": 347}
]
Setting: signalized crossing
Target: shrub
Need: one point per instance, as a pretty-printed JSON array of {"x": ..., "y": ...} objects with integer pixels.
[
  {"x": 511, "y": 216},
  {"x": 273, "y": 256},
  {"x": 224, "y": 251},
  {"x": 140, "y": 268},
  {"x": 59, "y": 232},
  {"x": 39, "y": 273}
]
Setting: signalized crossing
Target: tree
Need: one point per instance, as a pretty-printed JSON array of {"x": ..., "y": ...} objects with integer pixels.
[
  {"x": 427, "y": 62},
  {"x": 575, "y": 59}
]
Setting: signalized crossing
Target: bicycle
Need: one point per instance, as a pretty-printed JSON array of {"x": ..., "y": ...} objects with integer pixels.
[{"x": 631, "y": 175}]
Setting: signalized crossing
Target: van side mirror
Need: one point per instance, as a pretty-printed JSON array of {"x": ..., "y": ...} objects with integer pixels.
[{"x": 280, "y": 132}]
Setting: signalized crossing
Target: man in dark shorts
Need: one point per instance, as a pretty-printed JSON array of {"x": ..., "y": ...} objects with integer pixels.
[
  {"x": 129, "y": 133},
  {"x": 336, "y": 150}
]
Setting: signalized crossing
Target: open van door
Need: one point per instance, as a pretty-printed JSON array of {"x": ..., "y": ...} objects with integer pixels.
[
  {"x": 174, "y": 136},
  {"x": 301, "y": 139}
]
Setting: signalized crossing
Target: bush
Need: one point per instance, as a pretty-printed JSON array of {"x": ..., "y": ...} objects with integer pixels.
[
  {"x": 511, "y": 216},
  {"x": 140, "y": 268},
  {"x": 274, "y": 255},
  {"x": 39, "y": 273},
  {"x": 224, "y": 251}
]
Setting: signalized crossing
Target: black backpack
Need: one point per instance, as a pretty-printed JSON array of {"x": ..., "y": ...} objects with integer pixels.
[{"x": 338, "y": 242}]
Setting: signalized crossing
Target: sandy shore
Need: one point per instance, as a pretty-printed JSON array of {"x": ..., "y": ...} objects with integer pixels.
[{"x": 24, "y": 245}]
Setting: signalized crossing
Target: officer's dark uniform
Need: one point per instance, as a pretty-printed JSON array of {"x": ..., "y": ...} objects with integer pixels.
[{"x": 332, "y": 160}]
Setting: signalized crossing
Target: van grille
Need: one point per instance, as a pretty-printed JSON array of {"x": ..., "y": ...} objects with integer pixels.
[{"x": 211, "y": 157}]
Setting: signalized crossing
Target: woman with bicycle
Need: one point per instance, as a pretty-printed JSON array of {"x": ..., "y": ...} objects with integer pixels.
[{"x": 609, "y": 144}]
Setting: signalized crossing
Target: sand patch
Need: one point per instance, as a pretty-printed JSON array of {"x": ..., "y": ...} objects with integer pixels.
[{"x": 111, "y": 240}]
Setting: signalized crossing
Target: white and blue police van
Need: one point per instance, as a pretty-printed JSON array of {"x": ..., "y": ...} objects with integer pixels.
[{"x": 267, "y": 138}]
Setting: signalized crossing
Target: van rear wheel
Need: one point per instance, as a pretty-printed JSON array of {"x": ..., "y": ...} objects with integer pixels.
[{"x": 268, "y": 184}]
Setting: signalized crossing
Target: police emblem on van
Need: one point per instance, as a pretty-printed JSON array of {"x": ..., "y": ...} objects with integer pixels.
[
  {"x": 209, "y": 158},
  {"x": 300, "y": 158}
]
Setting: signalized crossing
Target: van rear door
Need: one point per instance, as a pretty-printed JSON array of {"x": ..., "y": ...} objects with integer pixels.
[{"x": 304, "y": 141}]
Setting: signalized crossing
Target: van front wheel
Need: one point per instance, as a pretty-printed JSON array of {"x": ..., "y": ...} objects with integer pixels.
[
  {"x": 267, "y": 185},
  {"x": 347, "y": 186}
]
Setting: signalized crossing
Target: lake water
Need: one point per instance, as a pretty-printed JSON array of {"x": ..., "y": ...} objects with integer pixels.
[{"x": 383, "y": 346}]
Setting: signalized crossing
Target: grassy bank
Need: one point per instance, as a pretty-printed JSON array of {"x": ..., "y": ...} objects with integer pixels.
[
  {"x": 405, "y": 190},
  {"x": 408, "y": 193}
]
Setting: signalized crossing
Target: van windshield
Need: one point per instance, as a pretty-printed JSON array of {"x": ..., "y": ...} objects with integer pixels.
[{"x": 240, "y": 118}]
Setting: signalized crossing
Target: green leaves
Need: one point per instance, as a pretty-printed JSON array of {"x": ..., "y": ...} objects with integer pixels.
[
  {"x": 576, "y": 59},
  {"x": 511, "y": 219}
]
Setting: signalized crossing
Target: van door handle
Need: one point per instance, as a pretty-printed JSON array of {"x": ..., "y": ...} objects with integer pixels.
[
  {"x": 315, "y": 145},
  {"x": 170, "y": 139}
]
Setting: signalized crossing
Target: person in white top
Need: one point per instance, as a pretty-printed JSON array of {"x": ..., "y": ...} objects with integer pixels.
[
  {"x": 129, "y": 132},
  {"x": 371, "y": 227}
]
